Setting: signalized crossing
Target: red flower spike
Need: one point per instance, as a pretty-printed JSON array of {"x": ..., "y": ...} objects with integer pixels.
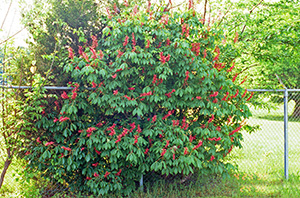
[
  {"x": 236, "y": 130},
  {"x": 243, "y": 80},
  {"x": 131, "y": 88},
  {"x": 119, "y": 173},
  {"x": 139, "y": 130},
  {"x": 119, "y": 54},
  {"x": 154, "y": 118},
  {"x": 215, "y": 100},
  {"x": 236, "y": 37},
  {"x": 212, "y": 158},
  {"x": 234, "y": 78},
  {"x": 80, "y": 50},
  {"x": 71, "y": 54},
  {"x": 115, "y": 92},
  {"x": 198, "y": 145},
  {"x": 88, "y": 178},
  {"x": 224, "y": 98},
  {"x": 168, "y": 42},
  {"x": 236, "y": 94},
  {"x": 38, "y": 140},
  {"x": 250, "y": 96},
  {"x": 146, "y": 151},
  {"x": 163, "y": 152},
  {"x": 62, "y": 119},
  {"x": 82, "y": 148},
  {"x": 133, "y": 40},
  {"x": 66, "y": 148},
  {"x": 186, "y": 151},
  {"x": 154, "y": 79},
  {"x": 49, "y": 143},
  {"x": 95, "y": 164},
  {"x": 167, "y": 143},
  {"x": 95, "y": 42},
  {"x": 126, "y": 41},
  {"x": 148, "y": 44},
  {"x": 230, "y": 69},
  {"x": 101, "y": 55},
  {"x": 136, "y": 139},
  {"x": 94, "y": 55},
  {"x": 55, "y": 120},
  {"x": 64, "y": 95},
  {"x": 211, "y": 119},
  {"x": 85, "y": 56},
  {"x": 214, "y": 94},
  {"x": 114, "y": 76},
  {"x": 96, "y": 174},
  {"x": 204, "y": 54},
  {"x": 98, "y": 152}
]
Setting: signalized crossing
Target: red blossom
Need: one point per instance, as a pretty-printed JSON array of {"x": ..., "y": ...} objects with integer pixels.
[
  {"x": 198, "y": 97},
  {"x": 114, "y": 76},
  {"x": 27, "y": 153},
  {"x": 191, "y": 138},
  {"x": 236, "y": 130},
  {"x": 38, "y": 140},
  {"x": 80, "y": 131},
  {"x": 62, "y": 119},
  {"x": 186, "y": 150},
  {"x": 212, "y": 158},
  {"x": 163, "y": 152},
  {"x": 94, "y": 55},
  {"x": 139, "y": 130},
  {"x": 96, "y": 174},
  {"x": 146, "y": 94},
  {"x": 91, "y": 129},
  {"x": 95, "y": 41},
  {"x": 198, "y": 145},
  {"x": 243, "y": 80},
  {"x": 49, "y": 143},
  {"x": 230, "y": 69},
  {"x": 119, "y": 172},
  {"x": 64, "y": 95},
  {"x": 236, "y": 94},
  {"x": 167, "y": 143},
  {"x": 236, "y": 37},
  {"x": 204, "y": 54},
  {"x": 234, "y": 78},
  {"x": 101, "y": 55},
  {"x": 82, "y": 148},
  {"x": 133, "y": 40},
  {"x": 115, "y": 92},
  {"x": 66, "y": 148},
  {"x": 136, "y": 139},
  {"x": 98, "y": 152},
  {"x": 71, "y": 54},
  {"x": 128, "y": 98},
  {"x": 214, "y": 94},
  {"x": 211, "y": 119},
  {"x": 224, "y": 98},
  {"x": 175, "y": 123},
  {"x": 168, "y": 42},
  {"x": 74, "y": 95},
  {"x": 154, "y": 118},
  {"x": 119, "y": 70},
  {"x": 146, "y": 151},
  {"x": 218, "y": 128},
  {"x": 131, "y": 88},
  {"x": 85, "y": 56},
  {"x": 154, "y": 79},
  {"x": 250, "y": 96},
  {"x": 55, "y": 120},
  {"x": 135, "y": 9},
  {"x": 169, "y": 94},
  {"x": 61, "y": 155},
  {"x": 95, "y": 164},
  {"x": 106, "y": 174},
  {"x": 148, "y": 44},
  {"x": 80, "y": 50},
  {"x": 126, "y": 40},
  {"x": 88, "y": 178},
  {"x": 215, "y": 100}
]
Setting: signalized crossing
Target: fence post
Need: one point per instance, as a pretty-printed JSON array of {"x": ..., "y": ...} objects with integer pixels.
[{"x": 286, "y": 157}]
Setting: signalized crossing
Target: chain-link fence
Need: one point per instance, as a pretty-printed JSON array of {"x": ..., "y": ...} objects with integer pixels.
[{"x": 269, "y": 155}]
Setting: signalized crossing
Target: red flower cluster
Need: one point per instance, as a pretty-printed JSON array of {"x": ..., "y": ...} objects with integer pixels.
[
  {"x": 198, "y": 145},
  {"x": 186, "y": 150},
  {"x": 218, "y": 53},
  {"x": 236, "y": 130},
  {"x": 112, "y": 130},
  {"x": 168, "y": 42},
  {"x": 133, "y": 40},
  {"x": 94, "y": 55},
  {"x": 236, "y": 94},
  {"x": 169, "y": 114},
  {"x": 167, "y": 143},
  {"x": 185, "y": 29},
  {"x": 231, "y": 68},
  {"x": 169, "y": 94},
  {"x": 125, "y": 132},
  {"x": 71, "y": 54},
  {"x": 250, "y": 96},
  {"x": 98, "y": 152},
  {"x": 90, "y": 130},
  {"x": 38, "y": 140},
  {"x": 224, "y": 98},
  {"x": 101, "y": 55},
  {"x": 163, "y": 152},
  {"x": 132, "y": 125},
  {"x": 214, "y": 139},
  {"x": 196, "y": 48},
  {"x": 187, "y": 75},
  {"x": 139, "y": 130},
  {"x": 95, "y": 164},
  {"x": 128, "y": 98},
  {"x": 214, "y": 94},
  {"x": 146, "y": 94},
  {"x": 164, "y": 19},
  {"x": 131, "y": 88},
  {"x": 114, "y": 76},
  {"x": 148, "y": 44},
  {"x": 154, "y": 118},
  {"x": 115, "y": 92},
  {"x": 95, "y": 41},
  {"x": 49, "y": 143},
  {"x": 55, "y": 120},
  {"x": 175, "y": 123},
  {"x": 64, "y": 95},
  {"x": 234, "y": 78},
  {"x": 62, "y": 119},
  {"x": 184, "y": 124},
  {"x": 211, "y": 119},
  {"x": 212, "y": 158},
  {"x": 66, "y": 148},
  {"x": 119, "y": 172},
  {"x": 191, "y": 138},
  {"x": 146, "y": 151},
  {"x": 136, "y": 139},
  {"x": 164, "y": 59},
  {"x": 119, "y": 54}
]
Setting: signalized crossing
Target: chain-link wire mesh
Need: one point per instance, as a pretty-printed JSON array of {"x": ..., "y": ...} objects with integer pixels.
[{"x": 260, "y": 161}]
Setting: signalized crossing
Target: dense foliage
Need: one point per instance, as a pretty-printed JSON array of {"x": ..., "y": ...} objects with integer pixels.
[{"x": 156, "y": 93}]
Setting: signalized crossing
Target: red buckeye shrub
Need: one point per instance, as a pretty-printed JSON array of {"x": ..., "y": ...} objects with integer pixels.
[{"x": 156, "y": 94}]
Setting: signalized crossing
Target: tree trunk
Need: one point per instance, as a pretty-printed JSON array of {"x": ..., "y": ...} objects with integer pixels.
[
  {"x": 6, "y": 165},
  {"x": 296, "y": 113}
]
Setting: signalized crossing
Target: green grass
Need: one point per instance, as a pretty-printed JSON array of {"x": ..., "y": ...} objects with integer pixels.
[{"x": 260, "y": 166}]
